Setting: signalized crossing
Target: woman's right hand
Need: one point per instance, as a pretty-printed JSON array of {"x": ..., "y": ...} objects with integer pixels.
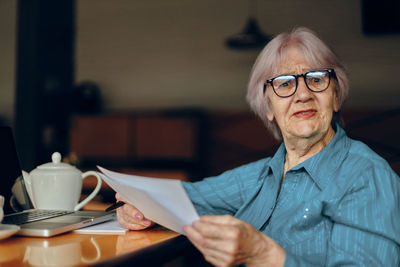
[{"x": 130, "y": 217}]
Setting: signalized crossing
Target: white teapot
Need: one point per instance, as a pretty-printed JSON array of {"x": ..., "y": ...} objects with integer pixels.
[{"x": 58, "y": 186}]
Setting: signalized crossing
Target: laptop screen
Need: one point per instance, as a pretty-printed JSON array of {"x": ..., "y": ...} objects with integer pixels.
[{"x": 10, "y": 168}]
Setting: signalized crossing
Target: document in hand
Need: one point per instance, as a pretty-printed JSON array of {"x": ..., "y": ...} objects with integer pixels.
[{"x": 163, "y": 201}]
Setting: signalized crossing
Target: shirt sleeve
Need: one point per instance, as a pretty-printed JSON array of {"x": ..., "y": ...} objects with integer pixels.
[
  {"x": 226, "y": 193},
  {"x": 365, "y": 224}
]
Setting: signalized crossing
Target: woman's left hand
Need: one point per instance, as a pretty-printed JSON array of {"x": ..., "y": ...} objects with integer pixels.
[{"x": 227, "y": 241}]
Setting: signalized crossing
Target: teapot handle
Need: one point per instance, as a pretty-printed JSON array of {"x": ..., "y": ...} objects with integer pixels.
[{"x": 94, "y": 192}]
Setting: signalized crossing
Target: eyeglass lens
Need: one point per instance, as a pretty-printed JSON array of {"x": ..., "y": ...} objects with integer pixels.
[{"x": 286, "y": 85}]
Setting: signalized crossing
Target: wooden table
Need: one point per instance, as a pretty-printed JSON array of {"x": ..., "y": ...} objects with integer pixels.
[{"x": 150, "y": 247}]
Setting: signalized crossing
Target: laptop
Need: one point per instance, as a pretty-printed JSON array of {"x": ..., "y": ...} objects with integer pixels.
[{"x": 35, "y": 222}]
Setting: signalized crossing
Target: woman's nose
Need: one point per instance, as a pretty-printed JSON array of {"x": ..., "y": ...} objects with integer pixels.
[{"x": 302, "y": 93}]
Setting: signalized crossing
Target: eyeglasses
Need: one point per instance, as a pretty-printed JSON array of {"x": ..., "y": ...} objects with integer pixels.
[{"x": 315, "y": 80}]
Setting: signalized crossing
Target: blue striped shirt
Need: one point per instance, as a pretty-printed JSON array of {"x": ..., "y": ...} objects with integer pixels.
[{"x": 339, "y": 207}]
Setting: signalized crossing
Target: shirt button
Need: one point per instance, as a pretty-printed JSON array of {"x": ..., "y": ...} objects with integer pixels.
[
  {"x": 305, "y": 216},
  {"x": 306, "y": 209}
]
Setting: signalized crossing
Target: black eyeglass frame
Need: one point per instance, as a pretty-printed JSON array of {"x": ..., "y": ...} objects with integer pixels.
[{"x": 331, "y": 73}]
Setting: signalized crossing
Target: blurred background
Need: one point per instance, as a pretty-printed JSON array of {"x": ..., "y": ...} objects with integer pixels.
[{"x": 153, "y": 86}]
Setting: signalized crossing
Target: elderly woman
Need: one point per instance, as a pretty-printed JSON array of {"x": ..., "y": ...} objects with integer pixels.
[{"x": 322, "y": 199}]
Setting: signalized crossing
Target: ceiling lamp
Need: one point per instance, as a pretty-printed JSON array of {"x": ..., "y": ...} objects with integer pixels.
[{"x": 250, "y": 38}]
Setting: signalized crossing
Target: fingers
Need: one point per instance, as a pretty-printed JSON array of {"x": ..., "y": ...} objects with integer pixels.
[
  {"x": 119, "y": 198},
  {"x": 210, "y": 226},
  {"x": 221, "y": 219},
  {"x": 209, "y": 241},
  {"x": 214, "y": 251},
  {"x": 223, "y": 240},
  {"x": 220, "y": 237},
  {"x": 223, "y": 227},
  {"x": 130, "y": 217}
]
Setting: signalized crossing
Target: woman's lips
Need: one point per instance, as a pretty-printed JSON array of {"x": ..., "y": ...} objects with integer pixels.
[{"x": 307, "y": 113}]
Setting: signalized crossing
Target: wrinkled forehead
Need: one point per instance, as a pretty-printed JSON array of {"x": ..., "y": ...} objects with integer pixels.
[{"x": 296, "y": 59}]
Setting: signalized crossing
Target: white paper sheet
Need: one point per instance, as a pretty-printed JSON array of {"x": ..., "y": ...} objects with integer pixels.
[
  {"x": 163, "y": 201},
  {"x": 106, "y": 228}
]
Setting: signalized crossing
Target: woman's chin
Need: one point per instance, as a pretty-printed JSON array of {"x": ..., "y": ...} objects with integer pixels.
[{"x": 306, "y": 131}]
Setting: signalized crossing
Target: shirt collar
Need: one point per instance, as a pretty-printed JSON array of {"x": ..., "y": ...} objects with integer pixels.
[
  {"x": 276, "y": 163},
  {"x": 322, "y": 166}
]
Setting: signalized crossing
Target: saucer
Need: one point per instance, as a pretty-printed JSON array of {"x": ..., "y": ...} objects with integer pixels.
[{"x": 7, "y": 230}]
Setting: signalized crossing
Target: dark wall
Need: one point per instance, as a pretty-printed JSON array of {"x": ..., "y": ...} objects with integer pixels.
[
  {"x": 44, "y": 77},
  {"x": 380, "y": 16}
]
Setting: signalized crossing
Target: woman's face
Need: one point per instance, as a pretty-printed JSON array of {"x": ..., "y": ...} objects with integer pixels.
[{"x": 305, "y": 114}]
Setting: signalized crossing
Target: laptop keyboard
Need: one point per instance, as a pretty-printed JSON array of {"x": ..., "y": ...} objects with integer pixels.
[{"x": 32, "y": 216}]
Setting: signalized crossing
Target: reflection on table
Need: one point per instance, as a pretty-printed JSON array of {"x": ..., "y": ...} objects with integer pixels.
[{"x": 72, "y": 249}]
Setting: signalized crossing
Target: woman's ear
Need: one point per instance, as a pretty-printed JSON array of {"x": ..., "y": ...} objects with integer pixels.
[
  {"x": 336, "y": 105},
  {"x": 269, "y": 113}
]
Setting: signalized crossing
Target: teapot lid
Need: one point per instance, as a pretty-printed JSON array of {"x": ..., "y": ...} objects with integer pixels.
[{"x": 56, "y": 163}]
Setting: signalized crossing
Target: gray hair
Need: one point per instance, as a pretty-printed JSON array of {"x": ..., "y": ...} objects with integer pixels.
[{"x": 268, "y": 62}]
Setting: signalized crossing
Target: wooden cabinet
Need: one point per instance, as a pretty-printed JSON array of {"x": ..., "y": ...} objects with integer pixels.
[
  {"x": 101, "y": 137},
  {"x": 153, "y": 141}
]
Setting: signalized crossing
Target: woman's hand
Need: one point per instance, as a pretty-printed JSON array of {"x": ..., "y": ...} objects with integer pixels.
[
  {"x": 227, "y": 241},
  {"x": 130, "y": 217}
]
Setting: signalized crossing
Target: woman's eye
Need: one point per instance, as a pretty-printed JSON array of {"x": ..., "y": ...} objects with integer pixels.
[
  {"x": 284, "y": 85},
  {"x": 314, "y": 80}
]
